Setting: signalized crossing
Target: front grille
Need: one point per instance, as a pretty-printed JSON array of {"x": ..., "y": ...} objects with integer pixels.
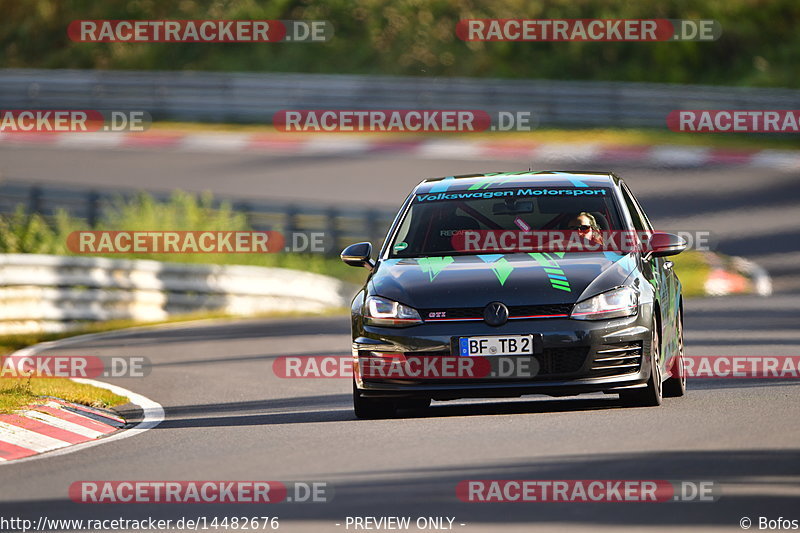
[
  {"x": 617, "y": 359},
  {"x": 555, "y": 361},
  {"x": 537, "y": 310},
  {"x": 552, "y": 363},
  {"x": 452, "y": 313},
  {"x": 515, "y": 311},
  {"x": 432, "y": 353}
]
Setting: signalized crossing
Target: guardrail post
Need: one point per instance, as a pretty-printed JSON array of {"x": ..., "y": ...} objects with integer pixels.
[
  {"x": 247, "y": 211},
  {"x": 35, "y": 200},
  {"x": 371, "y": 220},
  {"x": 289, "y": 224},
  {"x": 333, "y": 232},
  {"x": 92, "y": 208}
]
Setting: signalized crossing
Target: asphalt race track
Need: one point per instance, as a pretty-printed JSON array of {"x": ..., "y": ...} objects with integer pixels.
[{"x": 228, "y": 417}]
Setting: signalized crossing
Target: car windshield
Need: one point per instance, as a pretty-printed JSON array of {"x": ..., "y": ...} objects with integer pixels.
[{"x": 436, "y": 222}]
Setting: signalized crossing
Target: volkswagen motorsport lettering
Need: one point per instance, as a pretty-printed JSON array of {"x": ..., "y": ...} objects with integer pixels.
[{"x": 510, "y": 193}]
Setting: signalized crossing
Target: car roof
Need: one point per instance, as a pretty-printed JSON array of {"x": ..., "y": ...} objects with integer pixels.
[{"x": 528, "y": 178}]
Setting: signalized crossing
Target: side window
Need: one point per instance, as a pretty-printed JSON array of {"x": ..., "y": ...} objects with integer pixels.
[
  {"x": 642, "y": 215},
  {"x": 638, "y": 223}
]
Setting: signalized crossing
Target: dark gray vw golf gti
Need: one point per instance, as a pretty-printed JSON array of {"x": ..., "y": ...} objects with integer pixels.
[{"x": 501, "y": 285}]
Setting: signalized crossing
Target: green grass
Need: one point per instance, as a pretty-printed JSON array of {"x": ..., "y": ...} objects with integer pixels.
[
  {"x": 609, "y": 136},
  {"x": 22, "y": 392},
  {"x": 692, "y": 270},
  {"x": 32, "y": 233}
]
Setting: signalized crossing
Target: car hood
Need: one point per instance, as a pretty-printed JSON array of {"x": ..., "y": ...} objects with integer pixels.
[{"x": 514, "y": 279}]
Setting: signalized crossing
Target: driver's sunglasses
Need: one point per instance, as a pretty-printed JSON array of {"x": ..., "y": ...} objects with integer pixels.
[{"x": 582, "y": 227}]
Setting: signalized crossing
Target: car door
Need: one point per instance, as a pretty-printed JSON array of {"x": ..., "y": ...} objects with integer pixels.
[{"x": 660, "y": 273}]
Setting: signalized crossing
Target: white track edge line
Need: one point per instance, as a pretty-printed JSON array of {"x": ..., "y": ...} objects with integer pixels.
[
  {"x": 152, "y": 415},
  {"x": 152, "y": 411}
]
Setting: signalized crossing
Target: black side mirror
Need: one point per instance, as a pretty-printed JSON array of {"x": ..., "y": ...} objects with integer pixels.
[
  {"x": 664, "y": 244},
  {"x": 358, "y": 255}
]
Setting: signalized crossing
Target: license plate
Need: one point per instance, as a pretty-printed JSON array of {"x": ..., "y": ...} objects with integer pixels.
[{"x": 489, "y": 346}]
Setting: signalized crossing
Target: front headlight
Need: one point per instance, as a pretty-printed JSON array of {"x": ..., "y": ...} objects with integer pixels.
[
  {"x": 382, "y": 312},
  {"x": 623, "y": 301}
]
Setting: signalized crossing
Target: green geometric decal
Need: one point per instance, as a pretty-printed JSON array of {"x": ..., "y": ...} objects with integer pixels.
[
  {"x": 481, "y": 184},
  {"x": 500, "y": 266},
  {"x": 489, "y": 179},
  {"x": 502, "y": 270},
  {"x": 554, "y": 272},
  {"x": 434, "y": 265}
]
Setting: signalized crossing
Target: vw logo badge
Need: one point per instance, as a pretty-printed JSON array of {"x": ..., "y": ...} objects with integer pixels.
[{"x": 495, "y": 314}]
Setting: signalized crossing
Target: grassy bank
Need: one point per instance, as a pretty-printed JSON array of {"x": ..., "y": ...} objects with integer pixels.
[
  {"x": 33, "y": 233},
  {"x": 22, "y": 392},
  {"x": 608, "y": 136},
  {"x": 692, "y": 270}
]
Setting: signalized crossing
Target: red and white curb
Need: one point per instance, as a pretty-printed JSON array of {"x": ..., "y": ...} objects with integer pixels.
[
  {"x": 736, "y": 275},
  {"x": 51, "y": 425},
  {"x": 58, "y": 427},
  {"x": 426, "y": 148}
]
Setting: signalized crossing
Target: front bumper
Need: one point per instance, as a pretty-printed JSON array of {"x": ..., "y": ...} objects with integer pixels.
[{"x": 576, "y": 356}]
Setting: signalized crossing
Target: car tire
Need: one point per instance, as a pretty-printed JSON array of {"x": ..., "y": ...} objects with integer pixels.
[
  {"x": 675, "y": 387},
  {"x": 372, "y": 408},
  {"x": 651, "y": 395}
]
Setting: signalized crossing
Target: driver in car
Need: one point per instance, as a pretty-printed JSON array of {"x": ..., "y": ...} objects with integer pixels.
[{"x": 586, "y": 225}]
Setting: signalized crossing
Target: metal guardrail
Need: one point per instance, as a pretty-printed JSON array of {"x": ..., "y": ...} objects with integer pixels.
[
  {"x": 340, "y": 225},
  {"x": 52, "y": 293},
  {"x": 254, "y": 98}
]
